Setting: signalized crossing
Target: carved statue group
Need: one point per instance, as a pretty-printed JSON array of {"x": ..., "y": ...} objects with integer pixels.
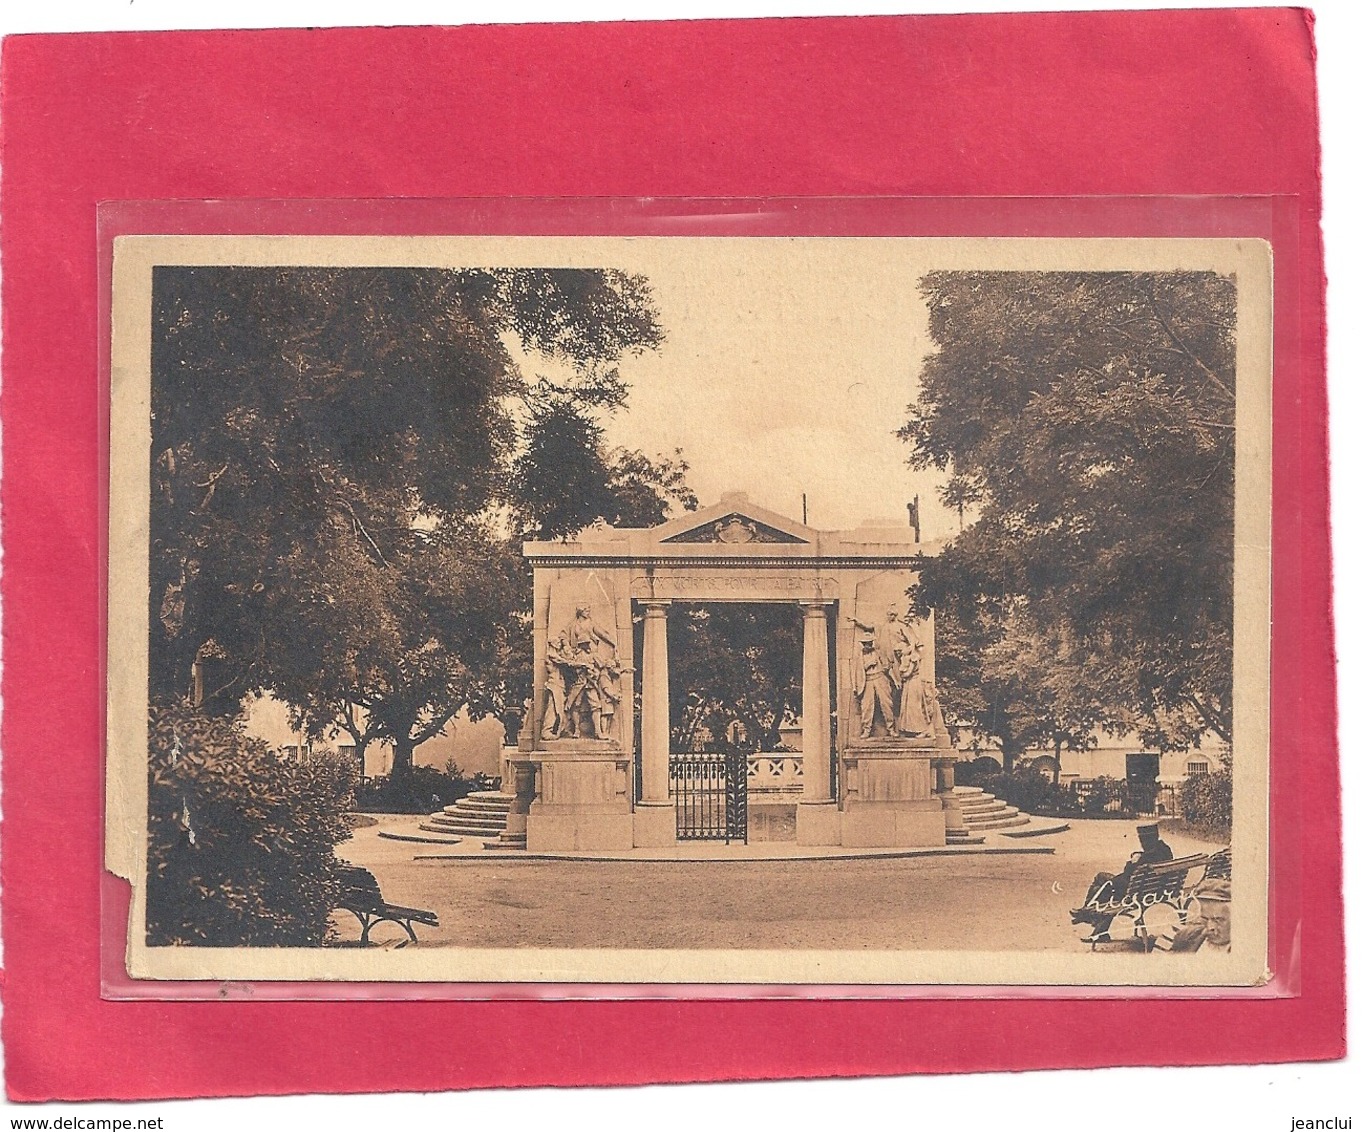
[
  {"x": 894, "y": 695},
  {"x": 582, "y": 683}
]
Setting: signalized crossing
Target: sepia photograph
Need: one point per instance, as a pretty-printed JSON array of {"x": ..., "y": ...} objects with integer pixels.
[{"x": 854, "y": 613}]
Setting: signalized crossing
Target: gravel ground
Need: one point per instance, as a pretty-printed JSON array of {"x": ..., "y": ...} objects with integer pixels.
[{"x": 970, "y": 902}]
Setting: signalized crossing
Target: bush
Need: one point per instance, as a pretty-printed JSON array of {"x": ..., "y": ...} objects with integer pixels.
[
  {"x": 1033, "y": 792},
  {"x": 1207, "y": 803},
  {"x": 427, "y": 789},
  {"x": 1028, "y": 789},
  {"x": 971, "y": 773},
  {"x": 241, "y": 842},
  {"x": 1104, "y": 797}
]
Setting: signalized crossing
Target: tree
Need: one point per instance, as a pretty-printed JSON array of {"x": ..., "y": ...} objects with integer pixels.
[
  {"x": 394, "y": 651},
  {"x": 1088, "y": 420},
  {"x": 735, "y": 662},
  {"x": 341, "y": 459},
  {"x": 564, "y": 478}
]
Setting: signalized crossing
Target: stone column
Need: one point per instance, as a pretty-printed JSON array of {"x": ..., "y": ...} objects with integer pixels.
[
  {"x": 655, "y": 814},
  {"x": 817, "y": 727},
  {"x": 534, "y": 719},
  {"x": 624, "y": 653},
  {"x": 817, "y": 821}
]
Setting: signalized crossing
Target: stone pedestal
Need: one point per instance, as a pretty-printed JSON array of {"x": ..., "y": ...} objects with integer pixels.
[
  {"x": 520, "y": 783},
  {"x": 818, "y": 823},
  {"x": 581, "y": 798},
  {"x": 654, "y": 825},
  {"x": 944, "y": 768},
  {"x": 507, "y": 768},
  {"x": 891, "y": 797}
]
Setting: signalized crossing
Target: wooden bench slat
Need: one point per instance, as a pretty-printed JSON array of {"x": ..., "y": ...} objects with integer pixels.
[{"x": 1177, "y": 865}]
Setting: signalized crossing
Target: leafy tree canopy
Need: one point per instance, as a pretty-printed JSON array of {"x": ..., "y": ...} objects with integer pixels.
[
  {"x": 738, "y": 662},
  {"x": 343, "y": 461},
  {"x": 1088, "y": 420}
]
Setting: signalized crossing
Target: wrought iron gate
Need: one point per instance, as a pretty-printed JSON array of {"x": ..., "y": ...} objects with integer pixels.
[{"x": 711, "y": 796}]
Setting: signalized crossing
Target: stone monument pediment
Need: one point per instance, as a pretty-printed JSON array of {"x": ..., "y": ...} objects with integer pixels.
[
  {"x": 734, "y": 521},
  {"x": 734, "y": 529}
]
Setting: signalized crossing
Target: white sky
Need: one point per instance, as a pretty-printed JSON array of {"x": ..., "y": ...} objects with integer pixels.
[{"x": 788, "y": 367}]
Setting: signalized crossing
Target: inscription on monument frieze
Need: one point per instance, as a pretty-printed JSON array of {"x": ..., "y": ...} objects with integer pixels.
[{"x": 720, "y": 584}]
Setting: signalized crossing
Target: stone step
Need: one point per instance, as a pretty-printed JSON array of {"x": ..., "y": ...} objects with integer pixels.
[
  {"x": 468, "y": 815},
  {"x": 1000, "y": 810},
  {"x": 966, "y": 790},
  {"x": 476, "y": 834},
  {"x": 506, "y": 841},
  {"x": 427, "y": 838},
  {"x": 464, "y": 806},
  {"x": 1000, "y": 823},
  {"x": 459, "y": 829},
  {"x": 960, "y": 837},
  {"x": 1037, "y": 827},
  {"x": 482, "y": 811},
  {"x": 490, "y": 796},
  {"x": 982, "y": 807}
]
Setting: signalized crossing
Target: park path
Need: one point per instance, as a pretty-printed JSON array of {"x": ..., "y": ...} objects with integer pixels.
[{"x": 962, "y": 902}]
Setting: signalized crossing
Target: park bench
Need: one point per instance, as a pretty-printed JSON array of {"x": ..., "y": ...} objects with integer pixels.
[
  {"x": 1156, "y": 900},
  {"x": 361, "y": 895}
]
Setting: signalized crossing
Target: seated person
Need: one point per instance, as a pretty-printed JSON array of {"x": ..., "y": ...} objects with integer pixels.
[
  {"x": 1211, "y": 931},
  {"x": 1109, "y": 888}
]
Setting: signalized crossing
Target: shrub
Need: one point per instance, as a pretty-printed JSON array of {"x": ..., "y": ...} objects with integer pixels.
[
  {"x": 1105, "y": 796},
  {"x": 1027, "y": 789},
  {"x": 1032, "y": 791},
  {"x": 241, "y": 842},
  {"x": 427, "y": 789},
  {"x": 971, "y": 772},
  {"x": 1207, "y": 802}
]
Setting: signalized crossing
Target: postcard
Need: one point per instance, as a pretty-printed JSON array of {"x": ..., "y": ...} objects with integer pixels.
[{"x": 864, "y": 612}]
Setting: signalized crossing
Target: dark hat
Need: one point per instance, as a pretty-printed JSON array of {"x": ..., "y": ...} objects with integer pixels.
[
  {"x": 1217, "y": 890},
  {"x": 1148, "y": 830}
]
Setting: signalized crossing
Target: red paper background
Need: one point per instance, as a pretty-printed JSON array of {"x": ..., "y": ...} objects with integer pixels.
[{"x": 1217, "y": 102}]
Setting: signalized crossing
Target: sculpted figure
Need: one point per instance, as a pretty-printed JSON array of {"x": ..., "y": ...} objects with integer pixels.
[
  {"x": 872, "y": 685},
  {"x": 915, "y": 707},
  {"x": 895, "y": 641},
  {"x": 593, "y": 689},
  {"x": 887, "y": 678},
  {"x": 607, "y": 696},
  {"x": 938, "y": 720},
  {"x": 559, "y": 673},
  {"x": 584, "y": 632},
  {"x": 593, "y": 695}
]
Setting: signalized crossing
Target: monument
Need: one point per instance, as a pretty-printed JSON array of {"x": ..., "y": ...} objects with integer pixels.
[{"x": 886, "y": 781}]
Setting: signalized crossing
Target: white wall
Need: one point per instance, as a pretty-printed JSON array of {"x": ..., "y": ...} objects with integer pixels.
[{"x": 474, "y": 746}]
